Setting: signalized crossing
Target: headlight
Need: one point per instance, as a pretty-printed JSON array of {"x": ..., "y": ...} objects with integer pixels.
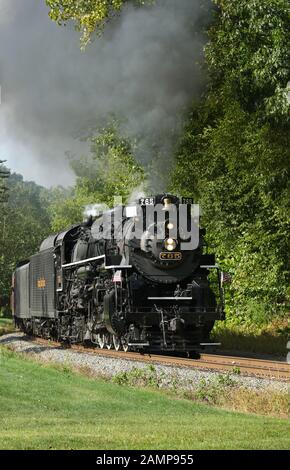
[{"x": 170, "y": 244}]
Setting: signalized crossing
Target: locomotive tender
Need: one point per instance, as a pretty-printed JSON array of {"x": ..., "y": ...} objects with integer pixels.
[{"x": 105, "y": 283}]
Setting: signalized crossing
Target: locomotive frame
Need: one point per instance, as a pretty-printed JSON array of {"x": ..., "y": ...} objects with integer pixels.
[{"x": 113, "y": 294}]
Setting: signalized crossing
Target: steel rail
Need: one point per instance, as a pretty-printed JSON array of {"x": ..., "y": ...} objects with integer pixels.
[{"x": 274, "y": 370}]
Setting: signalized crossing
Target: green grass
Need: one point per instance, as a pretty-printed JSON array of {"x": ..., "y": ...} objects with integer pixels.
[
  {"x": 44, "y": 407},
  {"x": 5, "y": 322},
  {"x": 6, "y": 326}
]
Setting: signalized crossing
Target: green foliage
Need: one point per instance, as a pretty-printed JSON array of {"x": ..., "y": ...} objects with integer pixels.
[
  {"x": 147, "y": 377},
  {"x": 249, "y": 55},
  {"x": 210, "y": 391},
  {"x": 110, "y": 170},
  {"x": 254, "y": 337},
  {"x": 24, "y": 223},
  {"x": 6, "y": 326},
  {"x": 238, "y": 170},
  {"x": 65, "y": 209},
  {"x": 4, "y": 173},
  {"x": 234, "y": 155},
  {"x": 89, "y": 16}
]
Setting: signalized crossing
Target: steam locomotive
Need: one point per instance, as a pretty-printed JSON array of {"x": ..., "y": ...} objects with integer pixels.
[{"x": 108, "y": 283}]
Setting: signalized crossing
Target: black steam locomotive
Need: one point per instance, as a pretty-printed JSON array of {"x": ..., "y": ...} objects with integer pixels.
[{"x": 101, "y": 282}]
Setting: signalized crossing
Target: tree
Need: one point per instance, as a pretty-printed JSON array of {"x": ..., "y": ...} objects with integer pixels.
[
  {"x": 249, "y": 55},
  {"x": 234, "y": 155},
  {"x": 24, "y": 223},
  {"x": 89, "y": 16},
  {"x": 4, "y": 174},
  {"x": 110, "y": 170}
]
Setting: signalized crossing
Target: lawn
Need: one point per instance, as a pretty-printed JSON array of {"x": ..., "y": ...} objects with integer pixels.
[
  {"x": 43, "y": 407},
  {"x": 6, "y": 325},
  {"x": 5, "y": 322}
]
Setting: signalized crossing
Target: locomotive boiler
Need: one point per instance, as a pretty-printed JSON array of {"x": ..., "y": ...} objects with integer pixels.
[{"x": 136, "y": 277}]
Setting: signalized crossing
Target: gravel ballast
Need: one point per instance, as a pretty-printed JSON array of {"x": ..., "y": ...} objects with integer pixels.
[{"x": 99, "y": 365}]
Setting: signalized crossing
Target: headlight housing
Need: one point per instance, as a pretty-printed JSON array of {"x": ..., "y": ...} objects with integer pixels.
[{"x": 170, "y": 244}]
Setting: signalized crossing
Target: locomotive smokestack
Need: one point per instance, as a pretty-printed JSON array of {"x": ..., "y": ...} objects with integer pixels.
[{"x": 93, "y": 210}]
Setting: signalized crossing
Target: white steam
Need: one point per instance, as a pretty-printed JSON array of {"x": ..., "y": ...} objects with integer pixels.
[{"x": 145, "y": 70}]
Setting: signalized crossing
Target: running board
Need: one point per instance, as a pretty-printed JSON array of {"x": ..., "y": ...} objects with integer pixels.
[
  {"x": 83, "y": 261},
  {"x": 118, "y": 267},
  {"x": 169, "y": 298},
  {"x": 210, "y": 344}
]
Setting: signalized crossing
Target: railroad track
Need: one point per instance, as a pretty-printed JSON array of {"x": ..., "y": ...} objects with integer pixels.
[{"x": 274, "y": 370}]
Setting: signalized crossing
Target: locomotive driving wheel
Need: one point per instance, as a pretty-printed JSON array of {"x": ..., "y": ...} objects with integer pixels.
[
  {"x": 108, "y": 341},
  {"x": 125, "y": 345},
  {"x": 117, "y": 343},
  {"x": 101, "y": 340}
]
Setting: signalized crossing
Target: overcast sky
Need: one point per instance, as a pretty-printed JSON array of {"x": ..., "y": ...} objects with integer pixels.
[{"x": 145, "y": 67}]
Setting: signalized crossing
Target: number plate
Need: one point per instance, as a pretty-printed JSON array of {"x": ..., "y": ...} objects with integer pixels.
[
  {"x": 170, "y": 256},
  {"x": 147, "y": 201},
  {"x": 187, "y": 200}
]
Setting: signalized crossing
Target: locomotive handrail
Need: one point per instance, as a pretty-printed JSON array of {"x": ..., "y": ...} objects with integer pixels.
[
  {"x": 210, "y": 267},
  {"x": 169, "y": 298},
  {"x": 84, "y": 261},
  {"x": 119, "y": 267}
]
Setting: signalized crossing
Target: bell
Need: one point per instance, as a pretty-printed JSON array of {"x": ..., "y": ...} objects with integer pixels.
[{"x": 167, "y": 203}]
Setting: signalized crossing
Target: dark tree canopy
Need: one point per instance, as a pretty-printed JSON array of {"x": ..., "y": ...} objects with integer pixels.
[
  {"x": 249, "y": 54},
  {"x": 24, "y": 222},
  {"x": 4, "y": 174},
  {"x": 235, "y": 153}
]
